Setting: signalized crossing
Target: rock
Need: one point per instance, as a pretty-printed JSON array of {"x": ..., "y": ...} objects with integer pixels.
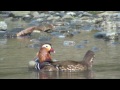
[
  {"x": 98, "y": 20},
  {"x": 20, "y": 13},
  {"x": 34, "y": 45},
  {"x": 86, "y": 14},
  {"x": 71, "y": 13},
  {"x": 84, "y": 42},
  {"x": 53, "y": 17},
  {"x": 5, "y": 14},
  {"x": 58, "y": 34},
  {"x": 36, "y": 14},
  {"x": 76, "y": 22},
  {"x": 44, "y": 38},
  {"x": 68, "y": 43},
  {"x": 42, "y": 15},
  {"x": 100, "y": 35},
  {"x": 107, "y": 36},
  {"x": 35, "y": 22},
  {"x": 27, "y": 18},
  {"x": 62, "y": 13},
  {"x": 95, "y": 49},
  {"x": 58, "y": 23},
  {"x": 87, "y": 27},
  {"x": 51, "y": 12},
  {"x": 80, "y": 46},
  {"x": 72, "y": 33},
  {"x": 67, "y": 17},
  {"x": 2, "y": 33},
  {"x": 111, "y": 36},
  {"x": 61, "y": 36},
  {"x": 3, "y": 25}
]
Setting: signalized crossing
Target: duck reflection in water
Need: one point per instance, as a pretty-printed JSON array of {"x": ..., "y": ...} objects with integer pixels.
[{"x": 88, "y": 74}]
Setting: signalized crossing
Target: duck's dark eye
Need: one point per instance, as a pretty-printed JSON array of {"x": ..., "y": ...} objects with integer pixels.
[{"x": 46, "y": 46}]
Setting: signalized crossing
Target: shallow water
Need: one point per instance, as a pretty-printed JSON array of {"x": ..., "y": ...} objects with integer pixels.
[{"x": 15, "y": 55}]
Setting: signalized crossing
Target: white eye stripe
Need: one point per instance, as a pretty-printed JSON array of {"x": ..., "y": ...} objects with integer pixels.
[{"x": 47, "y": 46}]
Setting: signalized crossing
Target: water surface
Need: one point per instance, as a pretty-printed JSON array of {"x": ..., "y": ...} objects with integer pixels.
[{"x": 15, "y": 55}]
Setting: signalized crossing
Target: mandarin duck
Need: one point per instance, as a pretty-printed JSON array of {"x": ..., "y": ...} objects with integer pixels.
[
  {"x": 43, "y": 57},
  {"x": 44, "y": 61}
]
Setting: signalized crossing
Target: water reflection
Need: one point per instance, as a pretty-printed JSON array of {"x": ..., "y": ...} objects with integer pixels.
[{"x": 62, "y": 75}]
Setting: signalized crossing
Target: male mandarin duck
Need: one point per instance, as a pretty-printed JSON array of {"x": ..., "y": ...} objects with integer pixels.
[
  {"x": 43, "y": 57},
  {"x": 44, "y": 61}
]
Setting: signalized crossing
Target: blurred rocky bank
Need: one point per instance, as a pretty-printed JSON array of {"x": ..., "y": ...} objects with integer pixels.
[{"x": 106, "y": 23}]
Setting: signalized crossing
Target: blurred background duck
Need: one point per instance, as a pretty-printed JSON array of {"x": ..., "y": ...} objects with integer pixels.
[{"x": 44, "y": 62}]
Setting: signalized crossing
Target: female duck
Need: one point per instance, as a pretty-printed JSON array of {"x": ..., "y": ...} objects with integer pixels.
[{"x": 44, "y": 61}]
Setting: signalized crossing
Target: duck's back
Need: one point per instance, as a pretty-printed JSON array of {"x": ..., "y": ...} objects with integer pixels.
[{"x": 70, "y": 65}]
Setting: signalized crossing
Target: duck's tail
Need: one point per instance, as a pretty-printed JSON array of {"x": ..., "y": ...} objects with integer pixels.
[{"x": 88, "y": 58}]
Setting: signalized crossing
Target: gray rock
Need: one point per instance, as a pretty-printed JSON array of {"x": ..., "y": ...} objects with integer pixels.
[
  {"x": 53, "y": 17},
  {"x": 80, "y": 46},
  {"x": 71, "y": 13},
  {"x": 20, "y": 13},
  {"x": 36, "y": 14},
  {"x": 51, "y": 12},
  {"x": 3, "y": 25},
  {"x": 2, "y": 33},
  {"x": 67, "y": 17},
  {"x": 43, "y": 15},
  {"x": 87, "y": 27},
  {"x": 95, "y": 49},
  {"x": 34, "y": 45},
  {"x": 34, "y": 22},
  {"x": 100, "y": 35},
  {"x": 107, "y": 36},
  {"x": 86, "y": 14},
  {"x": 68, "y": 43}
]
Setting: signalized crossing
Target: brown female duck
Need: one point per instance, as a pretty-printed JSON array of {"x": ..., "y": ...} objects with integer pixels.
[{"x": 44, "y": 61}]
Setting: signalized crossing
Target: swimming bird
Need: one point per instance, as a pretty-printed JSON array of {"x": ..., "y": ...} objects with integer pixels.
[
  {"x": 43, "y": 57},
  {"x": 45, "y": 62}
]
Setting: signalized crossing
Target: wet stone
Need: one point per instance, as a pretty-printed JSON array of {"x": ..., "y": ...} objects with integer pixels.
[
  {"x": 34, "y": 23},
  {"x": 44, "y": 38},
  {"x": 84, "y": 42},
  {"x": 95, "y": 49},
  {"x": 55, "y": 33},
  {"x": 68, "y": 43},
  {"x": 3, "y": 25},
  {"x": 80, "y": 46},
  {"x": 34, "y": 45},
  {"x": 100, "y": 35},
  {"x": 2, "y": 33}
]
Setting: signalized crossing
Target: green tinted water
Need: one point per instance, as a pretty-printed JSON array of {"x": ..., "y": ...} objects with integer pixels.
[{"x": 14, "y": 58}]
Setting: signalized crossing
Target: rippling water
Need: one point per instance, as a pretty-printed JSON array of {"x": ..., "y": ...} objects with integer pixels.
[{"x": 15, "y": 55}]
